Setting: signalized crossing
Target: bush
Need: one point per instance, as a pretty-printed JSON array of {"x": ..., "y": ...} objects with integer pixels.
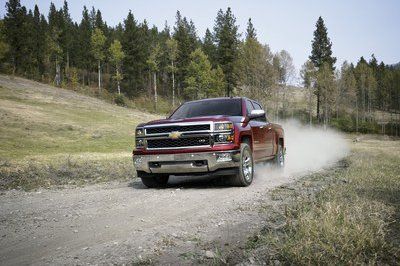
[
  {"x": 345, "y": 124},
  {"x": 119, "y": 99}
]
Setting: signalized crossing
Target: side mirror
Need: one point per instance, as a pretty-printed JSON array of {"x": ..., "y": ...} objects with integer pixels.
[{"x": 256, "y": 114}]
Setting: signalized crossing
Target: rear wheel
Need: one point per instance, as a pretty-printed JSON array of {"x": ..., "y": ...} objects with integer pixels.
[
  {"x": 246, "y": 168},
  {"x": 154, "y": 180},
  {"x": 280, "y": 157}
]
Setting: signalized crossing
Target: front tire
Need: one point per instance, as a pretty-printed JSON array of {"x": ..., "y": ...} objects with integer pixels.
[
  {"x": 153, "y": 180},
  {"x": 246, "y": 168}
]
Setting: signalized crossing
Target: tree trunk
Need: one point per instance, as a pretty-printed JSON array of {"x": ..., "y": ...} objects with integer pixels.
[
  {"x": 318, "y": 100},
  {"x": 309, "y": 106},
  {"x": 119, "y": 89},
  {"x": 57, "y": 80},
  {"x": 173, "y": 85},
  {"x": 155, "y": 90},
  {"x": 356, "y": 115},
  {"x": 99, "y": 76}
]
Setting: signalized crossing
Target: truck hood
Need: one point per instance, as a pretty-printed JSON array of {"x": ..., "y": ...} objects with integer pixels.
[{"x": 214, "y": 118}]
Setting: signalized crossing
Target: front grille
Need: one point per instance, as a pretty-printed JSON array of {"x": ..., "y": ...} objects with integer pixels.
[
  {"x": 176, "y": 143},
  {"x": 168, "y": 129}
]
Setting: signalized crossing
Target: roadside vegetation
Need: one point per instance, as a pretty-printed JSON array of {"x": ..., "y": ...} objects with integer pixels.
[
  {"x": 50, "y": 136},
  {"x": 136, "y": 64},
  {"x": 349, "y": 215}
]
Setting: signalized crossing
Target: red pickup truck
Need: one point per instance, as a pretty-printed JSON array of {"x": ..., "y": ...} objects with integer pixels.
[{"x": 218, "y": 136}]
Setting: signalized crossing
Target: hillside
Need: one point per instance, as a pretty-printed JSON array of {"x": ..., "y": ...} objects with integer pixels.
[{"x": 43, "y": 126}]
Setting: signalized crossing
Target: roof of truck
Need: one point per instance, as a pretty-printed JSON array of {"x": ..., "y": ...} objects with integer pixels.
[{"x": 218, "y": 98}]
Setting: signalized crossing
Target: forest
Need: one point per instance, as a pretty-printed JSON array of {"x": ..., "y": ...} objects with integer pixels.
[{"x": 136, "y": 64}]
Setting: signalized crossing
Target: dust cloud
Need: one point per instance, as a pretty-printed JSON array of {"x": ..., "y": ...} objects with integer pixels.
[{"x": 308, "y": 149}]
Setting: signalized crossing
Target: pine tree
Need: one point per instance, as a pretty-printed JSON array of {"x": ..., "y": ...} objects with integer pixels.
[
  {"x": 14, "y": 24},
  {"x": 321, "y": 53},
  {"x": 130, "y": 44},
  {"x": 85, "y": 33},
  {"x": 185, "y": 35},
  {"x": 66, "y": 36},
  {"x": 39, "y": 33},
  {"x": 4, "y": 47},
  {"x": 209, "y": 47},
  {"x": 227, "y": 40},
  {"x": 251, "y": 31}
]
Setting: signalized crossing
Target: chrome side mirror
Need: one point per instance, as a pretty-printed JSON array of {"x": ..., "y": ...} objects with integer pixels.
[{"x": 256, "y": 114}]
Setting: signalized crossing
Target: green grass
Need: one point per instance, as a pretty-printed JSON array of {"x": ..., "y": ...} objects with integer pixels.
[
  {"x": 354, "y": 220},
  {"x": 43, "y": 127}
]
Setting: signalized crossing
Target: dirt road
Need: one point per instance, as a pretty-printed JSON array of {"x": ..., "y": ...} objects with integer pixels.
[{"x": 125, "y": 222}]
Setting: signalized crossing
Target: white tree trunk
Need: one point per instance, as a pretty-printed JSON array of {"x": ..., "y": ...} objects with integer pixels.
[
  {"x": 99, "y": 76},
  {"x": 155, "y": 89},
  {"x": 173, "y": 85},
  {"x": 119, "y": 89}
]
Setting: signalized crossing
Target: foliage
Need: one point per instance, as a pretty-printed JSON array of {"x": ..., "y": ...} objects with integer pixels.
[
  {"x": 54, "y": 48},
  {"x": 351, "y": 220},
  {"x": 202, "y": 81},
  {"x": 97, "y": 41},
  {"x": 119, "y": 99},
  {"x": 227, "y": 40}
]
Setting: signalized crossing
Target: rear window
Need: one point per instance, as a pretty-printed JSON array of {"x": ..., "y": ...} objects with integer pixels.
[{"x": 228, "y": 107}]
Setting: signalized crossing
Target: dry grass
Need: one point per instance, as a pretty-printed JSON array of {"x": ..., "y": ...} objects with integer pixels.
[
  {"x": 354, "y": 220},
  {"x": 51, "y": 136}
]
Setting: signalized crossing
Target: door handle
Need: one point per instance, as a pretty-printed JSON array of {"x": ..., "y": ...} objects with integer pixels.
[{"x": 262, "y": 127}]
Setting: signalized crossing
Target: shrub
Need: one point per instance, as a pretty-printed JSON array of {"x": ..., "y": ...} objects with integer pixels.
[{"x": 119, "y": 99}]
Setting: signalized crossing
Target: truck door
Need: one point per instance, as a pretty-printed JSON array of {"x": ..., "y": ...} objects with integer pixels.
[
  {"x": 266, "y": 131},
  {"x": 258, "y": 129}
]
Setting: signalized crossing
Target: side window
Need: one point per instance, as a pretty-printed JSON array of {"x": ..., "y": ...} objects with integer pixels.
[
  {"x": 249, "y": 107},
  {"x": 257, "y": 106}
]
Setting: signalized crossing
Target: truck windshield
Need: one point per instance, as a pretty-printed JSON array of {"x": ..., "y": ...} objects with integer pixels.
[{"x": 228, "y": 107}]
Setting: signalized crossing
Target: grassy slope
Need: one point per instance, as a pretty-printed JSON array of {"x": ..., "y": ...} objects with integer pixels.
[
  {"x": 46, "y": 126},
  {"x": 353, "y": 219}
]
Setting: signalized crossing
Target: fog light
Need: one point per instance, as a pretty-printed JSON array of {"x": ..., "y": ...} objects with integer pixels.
[
  {"x": 223, "y": 138},
  {"x": 224, "y": 157},
  {"x": 138, "y": 160}
]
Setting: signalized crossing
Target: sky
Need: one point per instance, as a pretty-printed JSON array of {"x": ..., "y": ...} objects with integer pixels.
[{"x": 356, "y": 28}]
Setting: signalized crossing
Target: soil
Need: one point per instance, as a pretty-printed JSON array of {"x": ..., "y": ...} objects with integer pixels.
[{"x": 128, "y": 223}]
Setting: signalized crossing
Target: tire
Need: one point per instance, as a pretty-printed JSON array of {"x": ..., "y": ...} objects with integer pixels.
[
  {"x": 246, "y": 168},
  {"x": 279, "y": 160},
  {"x": 154, "y": 181}
]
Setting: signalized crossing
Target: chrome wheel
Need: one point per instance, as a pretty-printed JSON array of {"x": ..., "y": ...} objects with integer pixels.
[
  {"x": 247, "y": 166},
  {"x": 280, "y": 157}
]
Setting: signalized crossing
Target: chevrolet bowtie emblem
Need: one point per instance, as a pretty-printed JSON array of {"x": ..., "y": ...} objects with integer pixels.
[{"x": 175, "y": 135}]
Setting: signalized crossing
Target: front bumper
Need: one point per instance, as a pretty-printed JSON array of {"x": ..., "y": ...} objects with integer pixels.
[{"x": 202, "y": 162}]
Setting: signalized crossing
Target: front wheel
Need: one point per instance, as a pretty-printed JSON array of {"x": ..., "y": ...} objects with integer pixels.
[
  {"x": 246, "y": 168},
  {"x": 154, "y": 181}
]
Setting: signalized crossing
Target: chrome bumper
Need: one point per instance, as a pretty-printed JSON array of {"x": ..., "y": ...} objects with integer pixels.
[{"x": 201, "y": 162}]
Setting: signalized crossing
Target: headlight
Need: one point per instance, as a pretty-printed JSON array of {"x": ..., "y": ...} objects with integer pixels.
[
  {"x": 227, "y": 132},
  {"x": 223, "y": 126},
  {"x": 139, "y": 132}
]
